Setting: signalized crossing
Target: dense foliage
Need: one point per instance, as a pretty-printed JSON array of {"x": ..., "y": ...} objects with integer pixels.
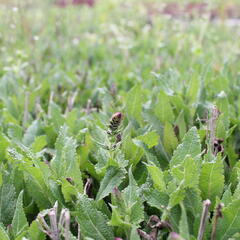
[{"x": 118, "y": 122}]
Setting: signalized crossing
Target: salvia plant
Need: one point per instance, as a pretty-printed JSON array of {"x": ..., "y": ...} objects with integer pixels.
[{"x": 119, "y": 120}]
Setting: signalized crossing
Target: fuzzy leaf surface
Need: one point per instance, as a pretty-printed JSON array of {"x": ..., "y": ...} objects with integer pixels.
[
  {"x": 189, "y": 146},
  {"x": 93, "y": 223},
  {"x": 112, "y": 179}
]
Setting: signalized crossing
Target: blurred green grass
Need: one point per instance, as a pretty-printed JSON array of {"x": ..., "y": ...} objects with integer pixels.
[
  {"x": 50, "y": 56},
  {"x": 115, "y": 42}
]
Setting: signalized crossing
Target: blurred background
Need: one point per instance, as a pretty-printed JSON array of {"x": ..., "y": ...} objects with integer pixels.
[{"x": 58, "y": 45}]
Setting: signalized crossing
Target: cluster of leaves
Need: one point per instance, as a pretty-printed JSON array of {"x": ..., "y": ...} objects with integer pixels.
[{"x": 61, "y": 82}]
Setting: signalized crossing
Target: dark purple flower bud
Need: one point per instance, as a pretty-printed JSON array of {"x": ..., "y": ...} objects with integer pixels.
[
  {"x": 70, "y": 180},
  {"x": 115, "y": 121}
]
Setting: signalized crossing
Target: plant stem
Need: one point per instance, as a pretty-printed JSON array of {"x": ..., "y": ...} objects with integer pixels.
[
  {"x": 218, "y": 214},
  {"x": 206, "y": 205}
]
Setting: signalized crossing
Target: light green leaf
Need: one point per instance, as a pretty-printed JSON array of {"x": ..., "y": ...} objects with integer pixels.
[
  {"x": 223, "y": 107},
  {"x": 36, "y": 187},
  {"x": 191, "y": 173},
  {"x": 39, "y": 143},
  {"x": 187, "y": 173},
  {"x": 117, "y": 219},
  {"x": 3, "y": 146},
  {"x": 99, "y": 135},
  {"x": 93, "y": 223},
  {"x": 7, "y": 202},
  {"x": 134, "y": 103},
  {"x": 56, "y": 115},
  {"x": 163, "y": 108},
  {"x": 69, "y": 191},
  {"x": 35, "y": 233},
  {"x": 33, "y": 131},
  {"x": 181, "y": 124},
  {"x": 65, "y": 164},
  {"x": 170, "y": 140},
  {"x": 19, "y": 222},
  {"x": 229, "y": 224},
  {"x": 102, "y": 156},
  {"x": 112, "y": 179},
  {"x": 156, "y": 199},
  {"x": 183, "y": 224},
  {"x": 132, "y": 151},
  {"x": 157, "y": 177},
  {"x": 227, "y": 196},
  {"x": 193, "y": 202},
  {"x": 176, "y": 196},
  {"x": 212, "y": 180},
  {"x": 132, "y": 200},
  {"x": 15, "y": 132},
  {"x": 65, "y": 153},
  {"x": 150, "y": 138},
  {"x": 134, "y": 234},
  {"x": 193, "y": 90},
  {"x": 190, "y": 146},
  {"x": 3, "y": 233}
]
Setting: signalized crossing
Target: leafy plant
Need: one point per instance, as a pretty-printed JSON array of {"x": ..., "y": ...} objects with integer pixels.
[{"x": 117, "y": 122}]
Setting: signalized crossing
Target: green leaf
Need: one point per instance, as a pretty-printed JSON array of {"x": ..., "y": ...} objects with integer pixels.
[
  {"x": 170, "y": 140},
  {"x": 56, "y": 115},
  {"x": 187, "y": 173},
  {"x": 92, "y": 222},
  {"x": 117, "y": 219},
  {"x": 183, "y": 224},
  {"x": 112, "y": 179},
  {"x": 212, "y": 180},
  {"x": 69, "y": 191},
  {"x": 132, "y": 200},
  {"x": 193, "y": 201},
  {"x": 36, "y": 187},
  {"x": 156, "y": 199},
  {"x": 227, "y": 196},
  {"x": 15, "y": 132},
  {"x": 65, "y": 153},
  {"x": 181, "y": 124},
  {"x": 163, "y": 108},
  {"x": 190, "y": 146},
  {"x": 157, "y": 177},
  {"x": 33, "y": 131},
  {"x": 19, "y": 222},
  {"x": 193, "y": 90},
  {"x": 7, "y": 202},
  {"x": 134, "y": 234},
  {"x": 65, "y": 164},
  {"x": 3, "y": 146},
  {"x": 223, "y": 106},
  {"x": 127, "y": 208},
  {"x": 229, "y": 224},
  {"x": 176, "y": 196},
  {"x": 150, "y": 138},
  {"x": 175, "y": 217},
  {"x": 99, "y": 135},
  {"x": 3, "y": 233},
  {"x": 134, "y": 103},
  {"x": 131, "y": 151},
  {"x": 39, "y": 143},
  {"x": 151, "y": 158},
  {"x": 35, "y": 233},
  {"x": 102, "y": 156}
]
